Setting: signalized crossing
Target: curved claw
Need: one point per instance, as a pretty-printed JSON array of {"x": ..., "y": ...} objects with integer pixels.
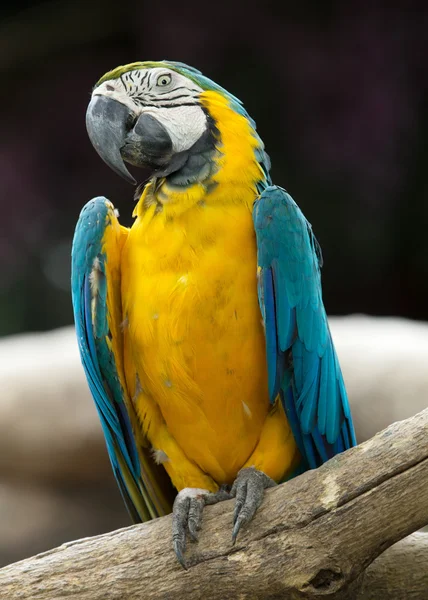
[
  {"x": 187, "y": 516},
  {"x": 248, "y": 488}
]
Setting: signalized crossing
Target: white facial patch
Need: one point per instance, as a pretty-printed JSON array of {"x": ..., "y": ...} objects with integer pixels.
[
  {"x": 169, "y": 97},
  {"x": 185, "y": 124}
]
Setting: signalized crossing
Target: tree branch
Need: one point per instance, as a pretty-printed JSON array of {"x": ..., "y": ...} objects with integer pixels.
[
  {"x": 312, "y": 538},
  {"x": 400, "y": 573}
]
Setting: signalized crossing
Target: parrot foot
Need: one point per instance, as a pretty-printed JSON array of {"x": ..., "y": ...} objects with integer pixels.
[
  {"x": 248, "y": 488},
  {"x": 187, "y": 515}
]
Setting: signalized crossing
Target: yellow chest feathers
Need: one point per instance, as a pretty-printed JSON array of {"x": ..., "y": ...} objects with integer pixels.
[
  {"x": 189, "y": 264},
  {"x": 189, "y": 295},
  {"x": 189, "y": 299},
  {"x": 191, "y": 283}
]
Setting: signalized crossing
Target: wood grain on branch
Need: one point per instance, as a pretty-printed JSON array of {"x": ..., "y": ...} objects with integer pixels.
[{"x": 312, "y": 538}]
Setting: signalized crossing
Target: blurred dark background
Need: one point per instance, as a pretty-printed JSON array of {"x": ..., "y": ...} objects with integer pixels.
[{"x": 339, "y": 94}]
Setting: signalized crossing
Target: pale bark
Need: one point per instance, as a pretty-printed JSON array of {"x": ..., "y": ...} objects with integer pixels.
[
  {"x": 313, "y": 538},
  {"x": 400, "y": 573}
]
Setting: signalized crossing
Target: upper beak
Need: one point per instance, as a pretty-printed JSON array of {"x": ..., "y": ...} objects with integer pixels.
[{"x": 106, "y": 122}]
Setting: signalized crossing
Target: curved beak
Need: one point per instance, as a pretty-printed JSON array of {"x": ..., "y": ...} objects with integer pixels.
[{"x": 106, "y": 123}]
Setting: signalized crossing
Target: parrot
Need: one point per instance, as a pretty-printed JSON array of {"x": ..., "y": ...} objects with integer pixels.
[{"x": 201, "y": 328}]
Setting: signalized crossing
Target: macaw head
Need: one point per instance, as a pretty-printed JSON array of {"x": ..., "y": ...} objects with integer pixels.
[{"x": 150, "y": 114}]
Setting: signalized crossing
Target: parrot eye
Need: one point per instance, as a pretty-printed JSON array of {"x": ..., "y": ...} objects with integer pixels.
[{"x": 163, "y": 80}]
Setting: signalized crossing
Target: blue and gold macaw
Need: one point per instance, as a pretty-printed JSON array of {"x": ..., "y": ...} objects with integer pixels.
[{"x": 201, "y": 328}]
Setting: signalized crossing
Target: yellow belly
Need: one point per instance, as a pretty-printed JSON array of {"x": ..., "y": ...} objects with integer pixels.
[{"x": 195, "y": 334}]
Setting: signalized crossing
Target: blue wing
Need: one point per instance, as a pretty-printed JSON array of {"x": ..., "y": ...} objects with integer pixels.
[
  {"x": 97, "y": 312},
  {"x": 302, "y": 364}
]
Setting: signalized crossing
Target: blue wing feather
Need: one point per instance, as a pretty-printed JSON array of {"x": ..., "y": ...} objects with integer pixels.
[
  {"x": 302, "y": 363},
  {"x": 272, "y": 351},
  {"x": 142, "y": 497}
]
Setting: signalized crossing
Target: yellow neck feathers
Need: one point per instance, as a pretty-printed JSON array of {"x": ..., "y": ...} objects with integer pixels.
[{"x": 236, "y": 175}]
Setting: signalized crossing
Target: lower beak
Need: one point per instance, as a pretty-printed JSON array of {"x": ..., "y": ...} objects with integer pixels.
[{"x": 107, "y": 123}]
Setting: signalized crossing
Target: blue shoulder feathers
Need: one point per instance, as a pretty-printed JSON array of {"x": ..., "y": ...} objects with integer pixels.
[
  {"x": 90, "y": 314},
  {"x": 303, "y": 369},
  {"x": 89, "y": 290}
]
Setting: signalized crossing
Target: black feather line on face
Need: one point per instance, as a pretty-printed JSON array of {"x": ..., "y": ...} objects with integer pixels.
[
  {"x": 180, "y": 87},
  {"x": 149, "y": 82},
  {"x": 143, "y": 79},
  {"x": 153, "y": 98},
  {"x": 148, "y": 105},
  {"x": 123, "y": 82}
]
